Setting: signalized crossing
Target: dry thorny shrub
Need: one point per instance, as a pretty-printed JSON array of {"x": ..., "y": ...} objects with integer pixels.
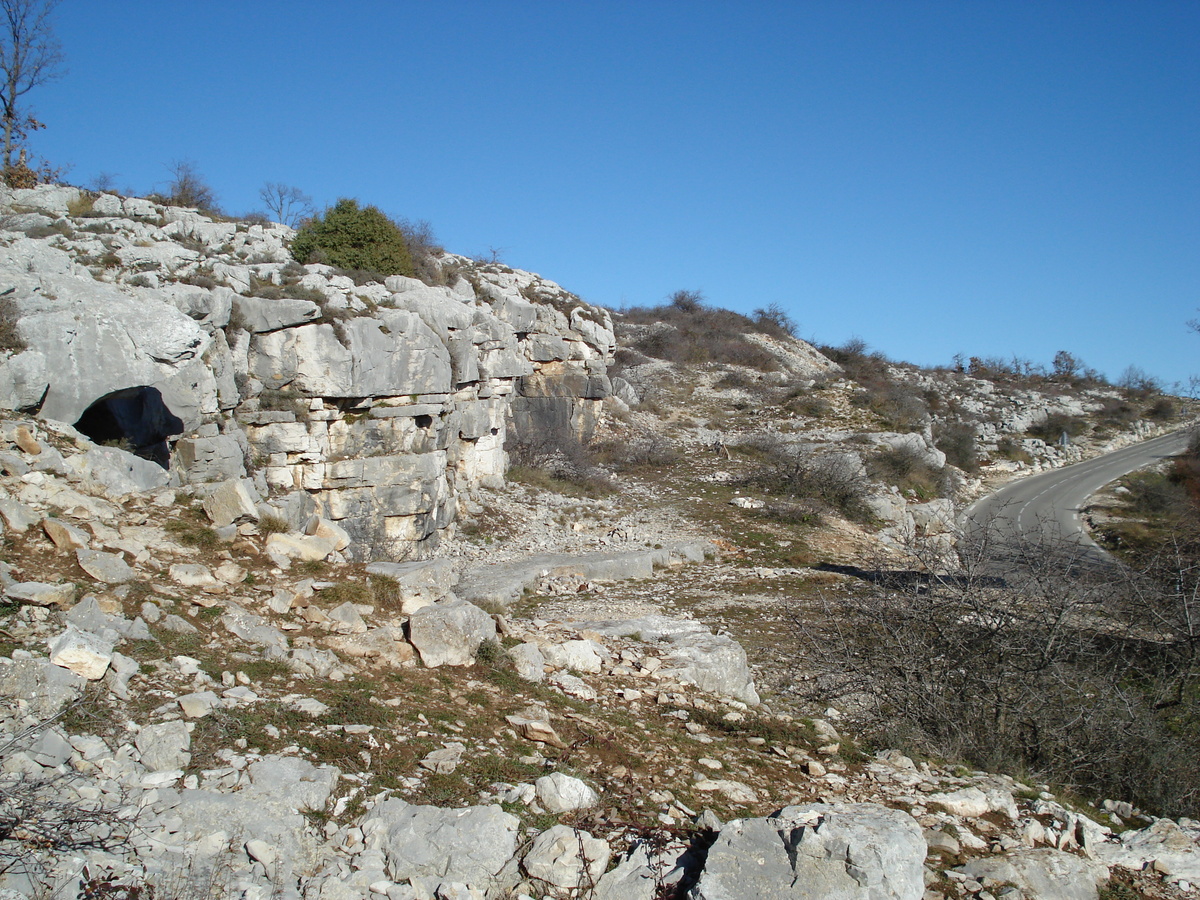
[{"x": 1021, "y": 652}]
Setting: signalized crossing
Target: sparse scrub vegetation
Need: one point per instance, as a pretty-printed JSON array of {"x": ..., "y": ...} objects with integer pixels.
[
  {"x": 957, "y": 440},
  {"x": 835, "y": 480},
  {"x": 189, "y": 188},
  {"x": 685, "y": 330},
  {"x": 557, "y": 460},
  {"x": 1056, "y": 425},
  {"x": 997, "y": 672},
  {"x": 10, "y": 337},
  {"x": 905, "y": 468}
]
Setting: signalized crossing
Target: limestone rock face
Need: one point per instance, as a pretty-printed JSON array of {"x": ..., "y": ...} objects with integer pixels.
[
  {"x": 468, "y": 845},
  {"x": 380, "y": 402},
  {"x": 101, "y": 341},
  {"x": 815, "y": 852}
]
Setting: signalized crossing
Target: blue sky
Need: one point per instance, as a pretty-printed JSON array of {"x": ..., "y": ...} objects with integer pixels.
[{"x": 990, "y": 178}]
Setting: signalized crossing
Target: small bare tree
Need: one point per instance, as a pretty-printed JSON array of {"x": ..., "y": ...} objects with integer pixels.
[
  {"x": 288, "y": 204},
  {"x": 188, "y": 187},
  {"x": 30, "y": 56}
]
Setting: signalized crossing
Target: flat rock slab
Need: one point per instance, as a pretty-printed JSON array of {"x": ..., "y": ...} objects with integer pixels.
[
  {"x": 1043, "y": 873},
  {"x": 41, "y": 594},
  {"x": 107, "y": 567},
  {"x": 505, "y": 582},
  {"x": 714, "y": 663},
  {"x": 469, "y": 845}
]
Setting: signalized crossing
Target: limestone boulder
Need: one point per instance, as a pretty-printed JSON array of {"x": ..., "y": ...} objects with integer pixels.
[
  {"x": 232, "y": 500},
  {"x": 86, "y": 654},
  {"x": 209, "y": 459},
  {"x": 449, "y": 634},
  {"x": 1043, "y": 873},
  {"x": 714, "y": 663},
  {"x": 579, "y": 656},
  {"x": 46, "y": 686},
  {"x": 24, "y": 379},
  {"x": 560, "y": 793},
  {"x": 528, "y": 660},
  {"x": 164, "y": 746},
  {"x": 41, "y": 594},
  {"x": 258, "y": 315},
  {"x": 109, "y": 568},
  {"x": 566, "y": 858},
  {"x": 418, "y": 584},
  {"x": 468, "y": 845},
  {"x": 284, "y": 548},
  {"x": 118, "y": 473},
  {"x": 817, "y": 851}
]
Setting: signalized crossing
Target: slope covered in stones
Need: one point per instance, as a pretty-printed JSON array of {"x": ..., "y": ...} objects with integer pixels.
[{"x": 222, "y": 679}]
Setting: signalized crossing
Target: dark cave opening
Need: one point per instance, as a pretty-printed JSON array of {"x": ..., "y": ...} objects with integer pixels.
[{"x": 135, "y": 419}]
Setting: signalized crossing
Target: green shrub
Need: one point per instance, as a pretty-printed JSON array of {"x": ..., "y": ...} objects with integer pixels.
[{"x": 352, "y": 237}]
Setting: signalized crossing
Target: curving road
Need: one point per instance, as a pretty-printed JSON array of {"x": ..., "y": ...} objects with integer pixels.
[{"x": 1052, "y": 500}]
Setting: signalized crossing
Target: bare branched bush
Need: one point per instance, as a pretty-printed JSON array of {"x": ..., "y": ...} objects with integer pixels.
[
  {"x": 425, "y": 249},
  {"x": 958, "y": 441},
  {"x": 51, "y": 812},
  {"x": 10, "y": 337},
  {"x": 286, "y": 203},
  {"x": 835, "y": 480},
  {"x": 1020, "y": 654},
  {"x": 647, "y": 449},
  {"x": 555, "y": 458},
  {"x": 189, "y": 188},
  {"x": 774, "y": 320}
]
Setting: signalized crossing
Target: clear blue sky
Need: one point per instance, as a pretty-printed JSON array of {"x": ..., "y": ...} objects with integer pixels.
[{"x": 991, "y": 178}]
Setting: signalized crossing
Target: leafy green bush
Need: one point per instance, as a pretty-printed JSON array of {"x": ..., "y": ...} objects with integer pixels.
[{"x": 352, "y": 237}]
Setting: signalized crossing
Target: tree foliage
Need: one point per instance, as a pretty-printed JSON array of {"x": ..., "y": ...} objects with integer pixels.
[{"x": 352, "y": 237}]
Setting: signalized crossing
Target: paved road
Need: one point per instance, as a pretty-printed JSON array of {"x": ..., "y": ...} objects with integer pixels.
[{"x": 1052, "y": 500}]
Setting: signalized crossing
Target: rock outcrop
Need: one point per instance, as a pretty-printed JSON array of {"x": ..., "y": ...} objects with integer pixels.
[{"x": 201, "y": 345}]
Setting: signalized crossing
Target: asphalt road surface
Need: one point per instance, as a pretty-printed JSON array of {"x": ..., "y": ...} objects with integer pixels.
[{"x": 1052, "y": 501}]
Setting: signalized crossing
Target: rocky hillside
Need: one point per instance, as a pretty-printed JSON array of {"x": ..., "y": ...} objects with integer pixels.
[
  {"x": 374, "y": 405},
  {"x": 331, "y": 651}
]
